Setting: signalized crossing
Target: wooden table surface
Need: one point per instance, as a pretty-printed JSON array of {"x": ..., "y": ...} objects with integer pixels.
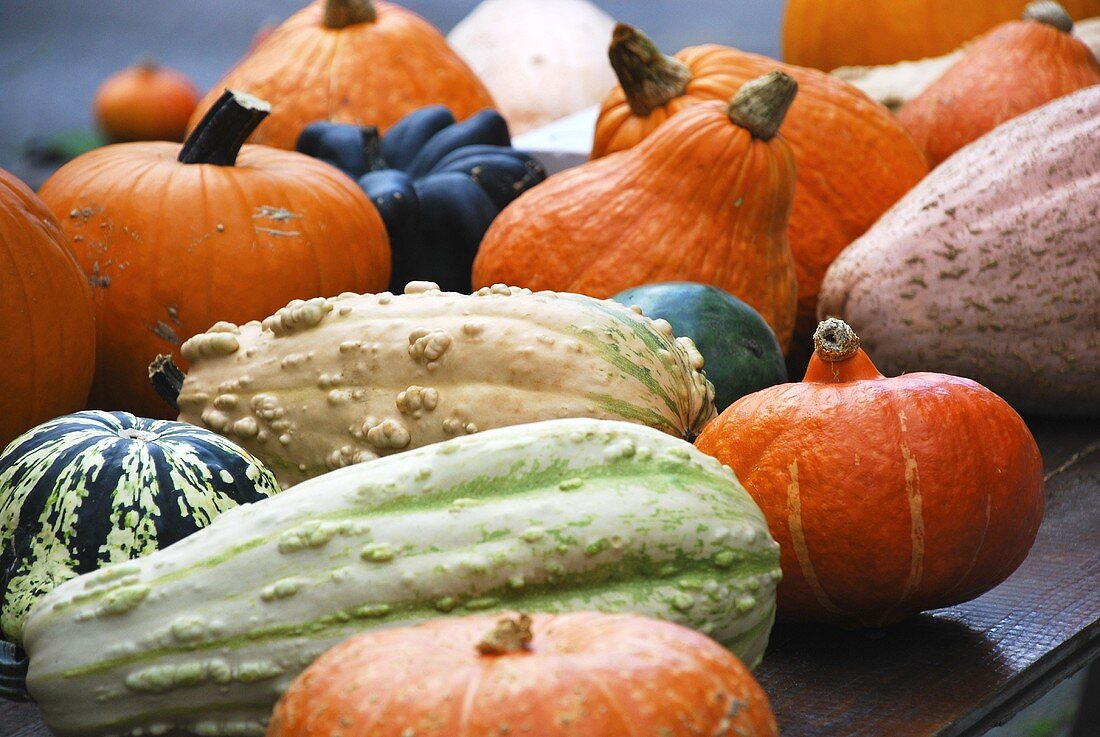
[{"x": 952, "y": 673}]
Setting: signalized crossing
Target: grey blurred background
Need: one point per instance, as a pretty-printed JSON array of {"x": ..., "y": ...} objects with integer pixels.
[{"x": 54, "y": 53}]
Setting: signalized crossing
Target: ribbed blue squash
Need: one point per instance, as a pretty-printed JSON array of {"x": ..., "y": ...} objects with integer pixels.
[{"x": 92, "y": 488}]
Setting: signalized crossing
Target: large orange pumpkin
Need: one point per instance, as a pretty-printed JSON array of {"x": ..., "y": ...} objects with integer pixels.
[
  {"x": 888, "y": 496},
  {"x": 569, "y": 675},
  {"x": 854, "y": 160},
  {"x": 827, "y": 34},
  {"x": 706, "y": 198},
  {"x": 47, "y": 330},
  {"x": 1016, "y": 67},
  {"x": 174, "y": 240},
  {"x": 366, "y": 62}
]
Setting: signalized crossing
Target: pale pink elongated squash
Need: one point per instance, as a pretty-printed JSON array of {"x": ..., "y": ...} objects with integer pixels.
[{"x": 990, "y": 267}]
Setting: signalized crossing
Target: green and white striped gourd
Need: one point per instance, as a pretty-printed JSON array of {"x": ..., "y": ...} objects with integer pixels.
[
  {"x": 563, "y": 515},
  {"x": 92, "y": 488},
  {"x": 330, "y": 382}
]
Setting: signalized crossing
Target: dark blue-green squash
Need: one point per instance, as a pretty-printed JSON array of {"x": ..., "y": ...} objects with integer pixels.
[
  {"x": 438, "y": 185},
  {"x": 92, "y": 488},
  {"x": 740, "y": 352}
]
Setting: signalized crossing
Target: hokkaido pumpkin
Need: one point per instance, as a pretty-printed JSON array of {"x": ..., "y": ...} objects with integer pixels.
[
  {"x": 145, "y": 102},
  {"x": 888, "y": 496},
  {"x": 706, "y": 198},
  {"x": 174, "y": 240},
  {"x": 47, "y": 328},
  {"x": 568, "y": 675},
  {"x": 827, "y": 34},
  {"x": 365, "y": 62},
  {"x": 1016, "y": 67},
  {"x": 989, "y": 268},
  {"x": 854, "y": 159}
]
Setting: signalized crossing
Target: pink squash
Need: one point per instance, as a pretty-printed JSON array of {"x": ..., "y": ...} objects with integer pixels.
[{"x": 990, "y": 267}]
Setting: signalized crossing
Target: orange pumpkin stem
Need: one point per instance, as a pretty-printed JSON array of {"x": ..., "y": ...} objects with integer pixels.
[
  {"x": 837, "y": 356},
  {"x": 218, "y": 137},
  {"x": 649, "y": 78},
  {"x": 509, "y": 635},
  {"x": 344, "y": 13},
  {"x": 1050, "y": 13},
  {"x": 761, "y": 105}
]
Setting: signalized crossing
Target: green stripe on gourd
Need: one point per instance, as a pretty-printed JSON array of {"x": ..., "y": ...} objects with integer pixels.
[
  {"x": 330, "y": 382},
  {"x": 93, "y": 488},
  {"x": 551, "y": 516}
]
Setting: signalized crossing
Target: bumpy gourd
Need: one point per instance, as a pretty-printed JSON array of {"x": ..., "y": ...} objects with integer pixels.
[
  {"x": 330, "y": 382},
  {"x": 569, "y": 515}
]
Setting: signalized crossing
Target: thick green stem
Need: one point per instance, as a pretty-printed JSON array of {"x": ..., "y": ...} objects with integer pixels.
[
  {"x": 344, "y": 13},
  {"x": 649, "y": 78},
  {"x": 167, "y": 379},
  {"x": 218, "y": 138},
  {"x": 1050, "y": 13},
  {"x": 761, "y": 104}
]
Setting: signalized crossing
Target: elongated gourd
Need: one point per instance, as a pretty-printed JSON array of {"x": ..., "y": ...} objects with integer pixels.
[
  {"x": 566, "y": 515},
  {"x": 330, "y": 382}
]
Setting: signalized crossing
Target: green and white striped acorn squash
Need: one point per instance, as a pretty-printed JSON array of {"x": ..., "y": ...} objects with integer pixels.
[
  {"x": 330, "y": 382},
  {"x": 555, "y": 516},
  {"x": 92, "y": 488}
]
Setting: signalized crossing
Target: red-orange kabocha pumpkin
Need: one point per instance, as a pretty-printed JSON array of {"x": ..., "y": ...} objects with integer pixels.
[
  {"x": 174, "y": 240},
  {"x": 569, "y": 675},
  {"x": 1016, "y": 67},
  {"x": 706, "y": 198},
  {"x": 47, "y": 329},
  {"x": 366, "y": 62},
  {"x": 854, "y": 159},
  {"x": 888, "y": 496}
]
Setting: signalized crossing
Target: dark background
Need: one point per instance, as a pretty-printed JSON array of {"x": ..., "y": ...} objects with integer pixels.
[{"x": 54, "y": 53}]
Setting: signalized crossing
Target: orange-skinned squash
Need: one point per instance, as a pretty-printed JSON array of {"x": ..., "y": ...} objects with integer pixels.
[
  {"x": 366, "y": 62},
  {"x": 888, "y": 496},
  {"x": 706, "y": 198},
  {"x": 854, "y": 159},
  {"x": 1016, "y": 67}
]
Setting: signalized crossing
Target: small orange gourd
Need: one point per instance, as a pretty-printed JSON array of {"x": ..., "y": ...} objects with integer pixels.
[
  {"x": 145, "y": 102},
  {"x": 854, "y": 159},
  {"x": 47, "y": 328},
  {"x": 706, "y": 198},
  {"x": 1016, "y": 67},
  {"x": 582, "y": 674},
  {"x": 887, "y": 496},
  {"x": 175, "y": 239},
  {"x": 366, "y": 62}
]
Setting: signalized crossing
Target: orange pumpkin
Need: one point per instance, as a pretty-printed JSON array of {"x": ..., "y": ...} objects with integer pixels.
[
  {"x": 174, "y": 240},
  {"x": 854, "y": 159},
  {"x": 888, "y": 496},
  {"x": 827, "y": 34},
  {"x": 351, "y": 61},
  {"x": 145, "y": 102},
  {"x": 568, "y": 675},
  {"x": 47, "y": 331},
  {"x": 705, "y": 198},
  {"x": 1016, "y": 67}
]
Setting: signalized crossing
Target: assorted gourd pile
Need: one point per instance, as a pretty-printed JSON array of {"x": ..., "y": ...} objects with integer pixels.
[{"x": 516, "y": 507}]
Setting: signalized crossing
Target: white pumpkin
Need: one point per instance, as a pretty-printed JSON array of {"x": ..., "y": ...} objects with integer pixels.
[
  {"x": 1089, "y": 31},
  {"x": 540, "y": 59}
]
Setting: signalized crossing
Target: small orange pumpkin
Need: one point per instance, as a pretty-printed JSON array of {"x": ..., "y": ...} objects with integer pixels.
[
  {"x": 705, "y": 198},
  {"x": 47, "y": 331},
  {"x": 887, "y": 496},
  {"x": 1016, "y": 67},
  {"x": 174, "y": 240},
  {"x": 568, "y": 675},
  {"x": 827, "y": 34},
  {"x": 366, "y": 62},
  {"x": 145, "y": 102},
  {"x": 854, "y": 159}
]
